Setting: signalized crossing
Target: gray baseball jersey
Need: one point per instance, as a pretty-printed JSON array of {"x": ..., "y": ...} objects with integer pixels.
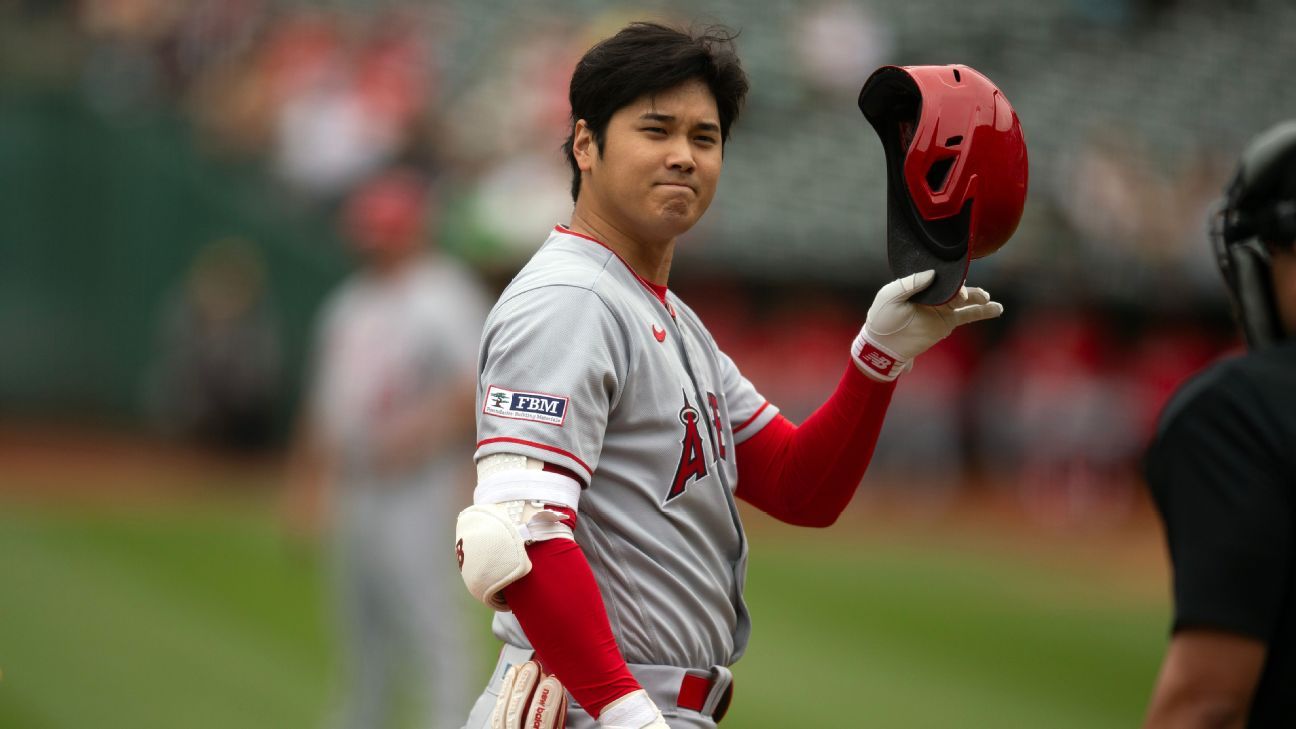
[
  {"x": 384, "y": 344},
  {"x": 587, "y": 366}
]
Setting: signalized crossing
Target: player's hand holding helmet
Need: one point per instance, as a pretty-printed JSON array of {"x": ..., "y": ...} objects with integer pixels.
[
  {"x": 956, "y": 187},
  {"x": 897, "y": 329}
]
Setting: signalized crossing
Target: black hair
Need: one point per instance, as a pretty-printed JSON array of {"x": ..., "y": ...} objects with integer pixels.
[{"x": 647, "y": 58}]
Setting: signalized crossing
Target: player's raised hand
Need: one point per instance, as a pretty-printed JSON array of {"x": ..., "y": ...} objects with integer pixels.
[
  {"x": 529, "y": 699},
  {"x": 897, "y": 330}
]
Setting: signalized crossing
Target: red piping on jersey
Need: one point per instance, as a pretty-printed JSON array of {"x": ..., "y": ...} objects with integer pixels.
[
  {"x": 657, "y": 291},
  {"x": 542, "y": 446},
  {"x": 752, "y": 419}
]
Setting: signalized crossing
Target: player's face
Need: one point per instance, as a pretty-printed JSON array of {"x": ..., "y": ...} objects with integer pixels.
[{"x": 660, "y": 163}]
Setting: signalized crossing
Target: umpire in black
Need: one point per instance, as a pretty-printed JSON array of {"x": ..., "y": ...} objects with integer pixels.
[{"x": 1222, "y": 471}]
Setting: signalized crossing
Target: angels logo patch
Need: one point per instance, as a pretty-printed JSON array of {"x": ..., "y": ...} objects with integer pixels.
[
  {"x": 537, "y": 407},
  {"x": 692, "y": 461}
]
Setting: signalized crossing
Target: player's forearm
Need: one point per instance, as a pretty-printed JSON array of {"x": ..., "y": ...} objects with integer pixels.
[
  {"x": 1207, "y": 680},
  {"x": 560, "y": 609},
  {"x": 1196, "y": 712},
  {"x": 807, "y": 474}
]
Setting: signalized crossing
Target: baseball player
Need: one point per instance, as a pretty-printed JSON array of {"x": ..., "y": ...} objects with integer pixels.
[
  {"x": 395, "y": 361},
  {"x": 1222, "y": 471},
  {"x": 614, "y": 436}
]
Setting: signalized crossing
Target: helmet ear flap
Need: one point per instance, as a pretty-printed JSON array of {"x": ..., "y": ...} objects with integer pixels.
[{"x": 892, "y": 102}]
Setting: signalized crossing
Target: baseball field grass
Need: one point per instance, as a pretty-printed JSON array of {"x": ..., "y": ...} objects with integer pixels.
[{"x": 195, "y": 613}]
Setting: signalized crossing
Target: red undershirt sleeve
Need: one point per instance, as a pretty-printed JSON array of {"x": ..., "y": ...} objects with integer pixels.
[
  {"x": 559, "y": 607},
  {"x": 807, "y": 474}
]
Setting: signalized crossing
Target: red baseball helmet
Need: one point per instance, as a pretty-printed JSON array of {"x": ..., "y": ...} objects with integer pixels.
[{"x": 956, "y": 169}]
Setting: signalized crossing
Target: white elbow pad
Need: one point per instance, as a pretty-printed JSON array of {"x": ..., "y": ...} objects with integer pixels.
[{"x": 492, "y": 535}]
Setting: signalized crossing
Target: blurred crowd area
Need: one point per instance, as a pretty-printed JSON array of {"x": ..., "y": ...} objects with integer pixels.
[
  {"x": 1050, "y": 407},
  {"x": 1133, "y": 112}
]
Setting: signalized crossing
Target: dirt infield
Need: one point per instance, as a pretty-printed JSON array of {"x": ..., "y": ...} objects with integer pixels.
[{"x": 58, "y": 461}]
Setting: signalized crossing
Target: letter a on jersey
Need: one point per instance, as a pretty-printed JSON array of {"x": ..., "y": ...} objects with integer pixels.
[{"x": 692, "y": 461}]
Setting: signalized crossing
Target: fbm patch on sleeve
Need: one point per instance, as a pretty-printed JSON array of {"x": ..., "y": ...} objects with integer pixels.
[{"x": 534, "y": 406}]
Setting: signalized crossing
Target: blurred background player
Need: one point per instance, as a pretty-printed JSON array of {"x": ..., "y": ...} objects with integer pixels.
[
  {"x": 384, "y": 436},
  {"x": 217, "y": 376},
  {"x": 1223, "y": 473}
]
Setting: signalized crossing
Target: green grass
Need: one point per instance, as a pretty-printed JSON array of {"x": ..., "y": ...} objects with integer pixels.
[
  {"x": 191, "y": 619},
  {"x": 200, "y": 617},
  {"x": 939, "y": 637}
]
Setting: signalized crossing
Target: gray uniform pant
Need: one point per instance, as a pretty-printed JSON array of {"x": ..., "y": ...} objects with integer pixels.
[
  {"x": 661, "y": 682},
  {"x": 397, "y": 595}
]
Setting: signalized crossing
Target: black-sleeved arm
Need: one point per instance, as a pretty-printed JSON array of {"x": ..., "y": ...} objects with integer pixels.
[{"x": 1220, "y": 486}]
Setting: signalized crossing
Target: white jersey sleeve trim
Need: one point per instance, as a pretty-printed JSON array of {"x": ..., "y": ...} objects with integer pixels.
[
  {"x": 523, "y": 485},
  {"x": 757, "y": 420}
]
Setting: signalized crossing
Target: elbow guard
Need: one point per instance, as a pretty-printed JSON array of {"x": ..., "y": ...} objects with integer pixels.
[
  {"x": 492, "y": 535},
  {"x": 491, "y": 542}
]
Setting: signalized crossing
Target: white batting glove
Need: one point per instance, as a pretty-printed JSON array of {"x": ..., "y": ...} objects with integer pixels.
[
  {"x": 529, "y": 699},
  {"x": 897, "y": 330},
  {"x": 632, "y": 711}
]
